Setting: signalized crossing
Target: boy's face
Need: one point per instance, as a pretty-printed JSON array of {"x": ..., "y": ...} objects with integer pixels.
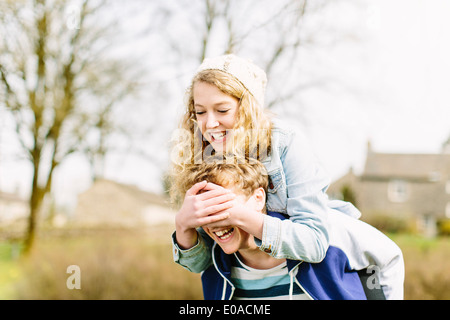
[{"x": 232, "y": 239}]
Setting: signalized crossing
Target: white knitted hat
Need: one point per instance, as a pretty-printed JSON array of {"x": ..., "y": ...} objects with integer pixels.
[{"x": 245, "y": 71}]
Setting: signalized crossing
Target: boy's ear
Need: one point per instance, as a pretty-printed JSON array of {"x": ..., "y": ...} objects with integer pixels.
[{"x": 260, "y": 199}]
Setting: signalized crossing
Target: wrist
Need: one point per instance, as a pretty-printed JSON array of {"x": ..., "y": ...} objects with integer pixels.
[
  {"x": 253, "y": 223},
  {"x": 186, "y": 237}
]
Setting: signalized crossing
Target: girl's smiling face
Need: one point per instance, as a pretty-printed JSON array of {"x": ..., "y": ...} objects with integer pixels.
[{"x": 215, "y": 112}]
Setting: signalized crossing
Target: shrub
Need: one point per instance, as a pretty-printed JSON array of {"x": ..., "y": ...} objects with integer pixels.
[
  {"x": 444, "y": 227},
  {"x": 427, "y": 262},
  {"x": 114, "y": 265},
  {"x": 390, "y": 224}
]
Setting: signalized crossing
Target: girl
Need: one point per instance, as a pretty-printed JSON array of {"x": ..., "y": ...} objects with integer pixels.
[{"x": 225, "y": 115}]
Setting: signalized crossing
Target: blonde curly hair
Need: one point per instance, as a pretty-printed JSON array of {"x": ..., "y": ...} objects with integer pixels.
[
  {"x": 251, "y": 133},
  {"x": 243, "y": 177}
]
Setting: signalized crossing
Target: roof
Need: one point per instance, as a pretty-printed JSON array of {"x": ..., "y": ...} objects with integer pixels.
[
  {"x": 145, "y": 195},
  {"x": 134, "y": 191},
  {"x": 11, "y": 197},
  {"x": 110, "y": 203},
  {"x": 430, "y": 167}
]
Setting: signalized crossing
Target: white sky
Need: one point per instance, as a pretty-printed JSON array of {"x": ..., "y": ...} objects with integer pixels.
[
  {"x": 405, "y": 74},
  {"x": 414, "y": 65},
  {"x": 401, "y": 70}
]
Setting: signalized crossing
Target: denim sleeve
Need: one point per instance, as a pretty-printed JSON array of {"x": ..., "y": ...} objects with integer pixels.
[
  {"x": 195, "y": 259},
  {"x": 305, "y": 235}
]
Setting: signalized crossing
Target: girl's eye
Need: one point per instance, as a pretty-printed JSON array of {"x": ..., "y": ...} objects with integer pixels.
[
  {"x": 199, "y": 112},
  {"x": 224, "y": 111}
]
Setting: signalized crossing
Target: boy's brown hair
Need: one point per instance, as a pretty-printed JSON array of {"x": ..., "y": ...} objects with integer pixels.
[{"x": 244, "y": 177}]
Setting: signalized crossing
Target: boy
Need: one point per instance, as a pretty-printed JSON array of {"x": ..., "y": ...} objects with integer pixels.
[{"x": 361, "y": 263}]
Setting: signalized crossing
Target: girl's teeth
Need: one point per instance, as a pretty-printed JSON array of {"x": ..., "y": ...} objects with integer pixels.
[{"x": 217, "y": 135}]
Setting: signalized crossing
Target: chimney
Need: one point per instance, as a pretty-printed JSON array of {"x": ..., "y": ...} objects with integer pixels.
[{"x": 369, "y": 147}]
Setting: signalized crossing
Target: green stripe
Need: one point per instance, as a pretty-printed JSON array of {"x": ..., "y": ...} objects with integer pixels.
[
  {"x": 274, "y": 291},
  {"x": 258, "y": 284}
]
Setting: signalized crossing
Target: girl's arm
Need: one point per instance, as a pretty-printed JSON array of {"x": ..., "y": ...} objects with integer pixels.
[
  {"x": 299, "y": 192},
  {"x": 305, "y": 235}
]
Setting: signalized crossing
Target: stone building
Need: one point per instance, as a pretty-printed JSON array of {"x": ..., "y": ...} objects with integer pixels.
[
  {"x": 108, "y": 203},
  {"x": 410, "y": 186}
]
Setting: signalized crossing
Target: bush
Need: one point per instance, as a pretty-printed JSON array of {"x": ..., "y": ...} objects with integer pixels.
[
  {"x": 390, "y": 224},
  {"x": 444, "y": 227},
  {"x": 427, "y": 262},
  {"x": 114, "y": 265}
]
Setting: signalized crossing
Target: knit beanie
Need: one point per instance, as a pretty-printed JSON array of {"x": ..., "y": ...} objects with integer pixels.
[{"x": 252, "y": 77}]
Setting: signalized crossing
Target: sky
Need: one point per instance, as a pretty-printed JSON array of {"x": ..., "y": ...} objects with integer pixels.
[
  {"x": 403, "y": 71},
  {"x": 414, "y": 67},
  {"x": 398, "y": 76}
]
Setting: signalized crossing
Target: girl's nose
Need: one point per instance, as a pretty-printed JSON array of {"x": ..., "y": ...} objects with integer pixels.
[{"x": 211, "y": 123}]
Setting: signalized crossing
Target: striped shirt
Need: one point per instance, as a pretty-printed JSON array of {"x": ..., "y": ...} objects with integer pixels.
[{"x": 260, "y": 284}]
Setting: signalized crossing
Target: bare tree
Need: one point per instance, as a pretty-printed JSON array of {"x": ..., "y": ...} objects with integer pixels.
[
  {"x": 275, "y": 33},
  {"x": 61, "y": 83}
]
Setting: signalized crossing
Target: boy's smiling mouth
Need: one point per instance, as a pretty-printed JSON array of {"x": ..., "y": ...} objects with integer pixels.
[{"x": 224, "y": 234}]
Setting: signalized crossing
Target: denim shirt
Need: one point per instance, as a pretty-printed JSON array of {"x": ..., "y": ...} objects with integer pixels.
[{"x": 297, "y": 187}]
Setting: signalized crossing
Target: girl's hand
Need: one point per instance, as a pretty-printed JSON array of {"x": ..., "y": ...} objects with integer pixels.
[
  {"x": 243, "y": 216},
  {"x": 204, "y": 203}
]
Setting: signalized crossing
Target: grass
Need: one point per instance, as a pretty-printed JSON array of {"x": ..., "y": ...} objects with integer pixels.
[
  {"x": 9, "y": 271},
  {"x": 114, "y": 264},
  {"x": 121, "y": 264},
  {"x": 427, "y": 265}
]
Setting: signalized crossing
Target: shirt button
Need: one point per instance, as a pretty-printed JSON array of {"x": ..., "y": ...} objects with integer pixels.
[{"x": 270, "y": 183}]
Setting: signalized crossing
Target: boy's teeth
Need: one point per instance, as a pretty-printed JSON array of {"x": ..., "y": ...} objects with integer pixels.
[{"x": 221, "y": 233}]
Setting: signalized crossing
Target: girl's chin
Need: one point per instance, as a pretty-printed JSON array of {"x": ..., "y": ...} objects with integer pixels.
[
  {"x": 218, "y": 145},
  {"x": 219, "y": 149}
]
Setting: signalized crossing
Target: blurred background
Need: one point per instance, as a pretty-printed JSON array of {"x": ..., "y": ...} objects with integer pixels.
[{"x": 91, "y": 92}]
